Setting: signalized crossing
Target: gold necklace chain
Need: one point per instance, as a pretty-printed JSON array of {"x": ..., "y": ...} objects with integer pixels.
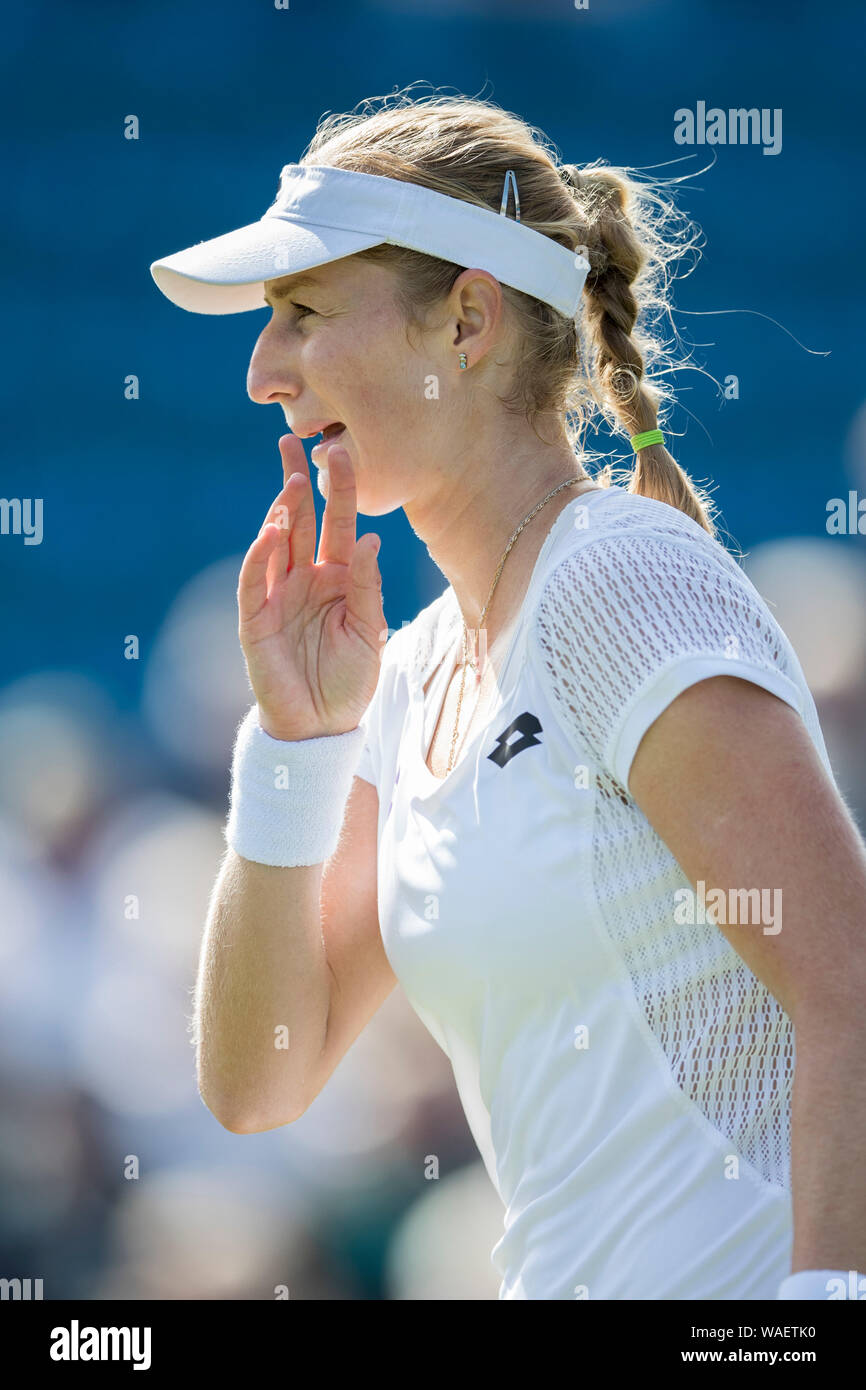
[{"x": 569, "y": 482}]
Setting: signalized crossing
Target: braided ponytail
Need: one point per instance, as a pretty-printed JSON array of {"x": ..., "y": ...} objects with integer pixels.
[{"x": 620, "y": 262}]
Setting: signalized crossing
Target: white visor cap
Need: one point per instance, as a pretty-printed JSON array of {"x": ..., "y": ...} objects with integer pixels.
[{"x": 322, "y": 214}]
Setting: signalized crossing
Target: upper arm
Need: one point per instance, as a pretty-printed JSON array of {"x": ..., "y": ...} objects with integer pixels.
[
  {"x": 730, "y": 779},
  {"x": 361, "y": 977}
]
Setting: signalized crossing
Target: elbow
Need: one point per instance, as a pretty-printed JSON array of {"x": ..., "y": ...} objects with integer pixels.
[
  {"x": 243, "y": 1119},
  {"x": 251, "y": 1124}
]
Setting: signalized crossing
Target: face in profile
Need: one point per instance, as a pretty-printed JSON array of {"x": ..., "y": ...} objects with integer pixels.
[{"x": 336, "y": 349}]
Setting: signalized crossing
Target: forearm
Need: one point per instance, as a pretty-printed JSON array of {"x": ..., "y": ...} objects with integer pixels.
[
  {"x": 262, "y": 994},
  {"x": 828, "y": 1137}
]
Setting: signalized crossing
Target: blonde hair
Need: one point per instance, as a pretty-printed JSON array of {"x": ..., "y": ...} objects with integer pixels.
[{"x": 580, "y": 370}]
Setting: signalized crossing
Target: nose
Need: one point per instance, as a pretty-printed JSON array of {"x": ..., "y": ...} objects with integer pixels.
[{"x": 270, "y": 375}]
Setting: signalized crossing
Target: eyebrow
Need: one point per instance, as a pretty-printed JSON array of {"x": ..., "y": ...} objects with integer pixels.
[{"x": 311, "y": 280}]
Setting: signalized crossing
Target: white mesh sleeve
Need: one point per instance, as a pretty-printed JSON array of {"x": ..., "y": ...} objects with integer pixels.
[{"x": 626, "y": 622}]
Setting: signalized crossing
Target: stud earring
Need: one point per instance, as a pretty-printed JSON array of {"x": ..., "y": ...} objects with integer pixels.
[{"x": 463, "y": 362}]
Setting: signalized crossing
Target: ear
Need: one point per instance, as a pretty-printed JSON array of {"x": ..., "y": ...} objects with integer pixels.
[{"x": 475, "y": 314}]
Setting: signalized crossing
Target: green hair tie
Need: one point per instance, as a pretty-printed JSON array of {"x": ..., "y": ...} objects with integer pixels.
[{"x": 641, "y": 441}]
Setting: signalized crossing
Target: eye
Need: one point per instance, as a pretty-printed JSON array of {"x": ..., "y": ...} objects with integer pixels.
[{"x": 303, "y": 308}]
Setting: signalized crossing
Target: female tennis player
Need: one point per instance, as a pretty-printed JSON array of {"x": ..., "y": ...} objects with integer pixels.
[{"x": 580, "y": 807}]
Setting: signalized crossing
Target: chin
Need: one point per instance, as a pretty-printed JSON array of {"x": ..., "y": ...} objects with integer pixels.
[{"x": 365, "y": 506}]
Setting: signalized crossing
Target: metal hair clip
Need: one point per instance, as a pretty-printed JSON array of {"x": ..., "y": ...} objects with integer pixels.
[{"x": 510, "y": 179}]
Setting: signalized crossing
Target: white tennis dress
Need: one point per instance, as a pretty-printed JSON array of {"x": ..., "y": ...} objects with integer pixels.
[{"x": 625, "y": 1076}]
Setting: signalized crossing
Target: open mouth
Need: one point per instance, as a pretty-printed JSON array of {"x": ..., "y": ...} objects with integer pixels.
[{"x": 330, "y": 433}]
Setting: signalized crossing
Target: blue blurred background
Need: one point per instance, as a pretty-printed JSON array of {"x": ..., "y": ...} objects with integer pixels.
[{"x": 115, "y": 1181}]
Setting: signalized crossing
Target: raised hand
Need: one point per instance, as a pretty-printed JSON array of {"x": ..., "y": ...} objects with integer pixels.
[{"x": 311, "y": 629}]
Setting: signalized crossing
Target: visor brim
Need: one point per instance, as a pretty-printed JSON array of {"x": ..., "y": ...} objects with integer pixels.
[{"x": 226, "y": 275}]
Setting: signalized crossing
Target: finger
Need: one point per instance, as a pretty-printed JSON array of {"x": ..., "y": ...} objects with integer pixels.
[
  {"x": 281, "y": 515},
  {"x": 281, "y": 555},
  {"x": 364, "y": 589},
  {"x": 253, "y": 578},
  {"x": 302, "y": 521},
  {"x": 337, "y": 542}
]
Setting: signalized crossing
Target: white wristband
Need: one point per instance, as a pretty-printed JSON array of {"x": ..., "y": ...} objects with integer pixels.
[
  {"x": 288, "y": 798},
  {"x": 823, "y": 1283}
]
